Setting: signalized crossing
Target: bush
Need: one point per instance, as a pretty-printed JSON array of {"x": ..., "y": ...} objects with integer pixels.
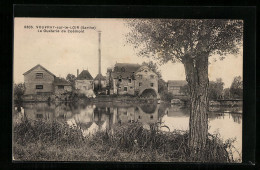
[
  {"x": 173, "y": 145},
  {"x": 58, "y": 133},
  {"x": 51, "y": 140}
]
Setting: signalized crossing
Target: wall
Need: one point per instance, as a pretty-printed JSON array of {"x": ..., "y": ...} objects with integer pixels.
[
  {"x": 122, "y": 84},
  {"x": 84, "y": 84},
  {"x": 146, "y": 80},
  {"x": 31, "y": 82}
]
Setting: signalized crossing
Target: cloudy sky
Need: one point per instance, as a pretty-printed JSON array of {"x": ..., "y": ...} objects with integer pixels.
[{"x": 63, "y": 53}]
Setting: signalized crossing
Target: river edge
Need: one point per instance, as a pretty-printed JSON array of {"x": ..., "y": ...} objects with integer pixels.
[{"x": 38, "y": 141}]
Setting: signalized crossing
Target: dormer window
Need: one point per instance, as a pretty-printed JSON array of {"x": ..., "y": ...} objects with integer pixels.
[
  {"x": 39, "y": 75},
  {"x": 152, "y": 76}
]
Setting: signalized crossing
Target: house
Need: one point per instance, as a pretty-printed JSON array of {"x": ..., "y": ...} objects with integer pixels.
[
  {"x": 123, "y": 78},
  {"x": 174, "y": 87},
  {"x": 102, "y": 81},
  {"x": 84, "y": 82},
  {"x": 38, "y": 80},
  {"x": 61, "y": 86},
  {"x": 134, "y": 79},
  {"x": 146, "y": 82}
]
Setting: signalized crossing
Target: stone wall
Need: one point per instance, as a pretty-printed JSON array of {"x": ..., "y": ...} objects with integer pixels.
[
  {"x": 146, "y": 77},
  {"x": 84, "y": 85},
  {"x": 31, "y": 81},
  {"x": 124, "y": 87}
]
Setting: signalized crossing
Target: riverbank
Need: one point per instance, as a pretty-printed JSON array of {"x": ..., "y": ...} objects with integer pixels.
[{"x": 57, "y": 141}]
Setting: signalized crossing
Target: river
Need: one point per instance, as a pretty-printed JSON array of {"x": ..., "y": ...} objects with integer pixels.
[{"x": 225, "y": 122}]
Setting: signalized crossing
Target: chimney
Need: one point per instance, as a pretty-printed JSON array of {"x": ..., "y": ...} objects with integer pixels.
[
  {"x": 77, "y": 72},
  {"x": 99, "y": 52},
  {"x": 99, "y": 59}
]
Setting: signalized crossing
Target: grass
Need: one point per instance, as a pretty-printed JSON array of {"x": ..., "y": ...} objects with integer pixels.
[{"x": 56, "y": 141}]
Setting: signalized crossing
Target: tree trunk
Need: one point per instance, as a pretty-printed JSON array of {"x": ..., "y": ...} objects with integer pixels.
[{"x": 197, "y": 77}]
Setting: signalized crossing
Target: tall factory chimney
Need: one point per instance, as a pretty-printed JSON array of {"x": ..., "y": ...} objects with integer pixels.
[
  {"x": 77, "y": 72},
  {"x": 99, "y": 60}
]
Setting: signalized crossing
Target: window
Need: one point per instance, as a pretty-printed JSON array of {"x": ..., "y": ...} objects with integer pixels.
[
  {"x": 60, "y": 87},
  {"x": 152, "y": 76},
  {"x": 140, "y": 84},
  {"x": 120, "y": 80},
  {"x": 145, "y": 71},
  {"x": 39, "y": 86},
  {"x": 151, "y": 117},
  {"x": 139, "y": 117},
  {"x": 140, "y": 76},
  {"x": 129, "y": 80},
  {"x": 39, "y": 75},
  {"x": 131, "y": 87},
  {"x": 151, "y": 84},
  {"x": 125, "y": 88}
]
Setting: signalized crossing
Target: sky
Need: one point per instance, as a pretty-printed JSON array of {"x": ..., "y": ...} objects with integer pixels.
[{"x": 64, "y": 53}]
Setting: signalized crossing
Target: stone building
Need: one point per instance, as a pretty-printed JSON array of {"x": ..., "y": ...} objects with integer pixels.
[
  {"x": 174, "y": 87},
  {"x": 134, "y": 79},
  {"x": 38, "y": 80},
  {"x": 84, "y": 82},
  {"x": 146, "y": 82},
  {"x": 61, "y": 86}
]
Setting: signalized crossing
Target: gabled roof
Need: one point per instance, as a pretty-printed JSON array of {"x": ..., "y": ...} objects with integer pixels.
[
  {"x": 84, "y": 75},
  {"x": 61, "y": 81},
  {"x": 177, "y": 82},
  {"x": 38, "y": 65},
  {"x": 100, "y": 76},
  {"x": 125, "y": 70}
]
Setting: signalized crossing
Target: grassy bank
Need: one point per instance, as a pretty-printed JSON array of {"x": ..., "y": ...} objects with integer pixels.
[{"x": 56, "y": 141}]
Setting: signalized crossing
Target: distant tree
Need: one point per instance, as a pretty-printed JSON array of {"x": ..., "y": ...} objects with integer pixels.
[
  {"x": 71, "y": 78},
  {"x": 19, "y": 90},
  {"x": 216, "y": 89},
  {"x": 153, "y": 66},
  {"x": 236, "y": 89},
  {"x": 226, "y": 93},
  {"x": 191, "y": 42}
]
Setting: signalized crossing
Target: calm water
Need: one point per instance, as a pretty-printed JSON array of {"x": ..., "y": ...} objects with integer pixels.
[{"x": 94, "y": 117}]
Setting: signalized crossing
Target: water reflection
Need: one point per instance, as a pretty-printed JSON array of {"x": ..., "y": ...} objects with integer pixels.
[{"x": 95, "y": 117}]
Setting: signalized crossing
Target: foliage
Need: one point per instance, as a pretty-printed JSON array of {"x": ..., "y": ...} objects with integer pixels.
[
  {"x": 153, "y": 66},
  {"x": 175, "y": 39},
  {"x": 226, "y": 93},
  {"x": 56, "y": 141},
  {"x": 71, "y": 78},
  {"x": 19, "y": 90},
  {"x": 216, "y": 89},
  {"x": 47, "y": 131},
  {"x": 236, "y": 89}
]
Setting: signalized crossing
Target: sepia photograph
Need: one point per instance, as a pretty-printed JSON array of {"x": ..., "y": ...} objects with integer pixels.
[{"x": 127, "y": 90}]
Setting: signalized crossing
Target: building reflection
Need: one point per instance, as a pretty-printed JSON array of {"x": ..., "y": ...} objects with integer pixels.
[{"x": 95, "y": 117}]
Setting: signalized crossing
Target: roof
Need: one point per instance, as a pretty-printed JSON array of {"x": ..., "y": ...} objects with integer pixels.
[
  {"x": 84, "y": 75},
  {"x": 100, "y": 76},
  {"x": 177, "y": 82},
  {"x": 38, "y": 65},
  {"x": 125, "y": 70},
  {"x": 61, "y": 81}
]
